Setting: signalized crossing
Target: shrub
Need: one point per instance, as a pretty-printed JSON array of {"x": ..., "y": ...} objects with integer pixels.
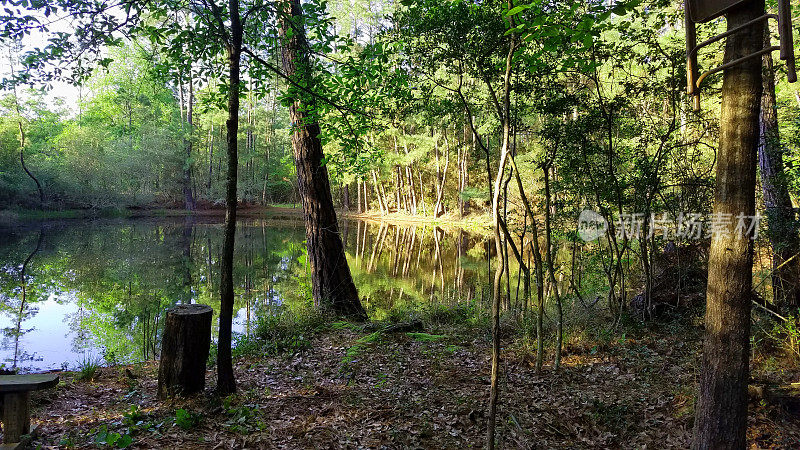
[{"x": 87, "y": 368}]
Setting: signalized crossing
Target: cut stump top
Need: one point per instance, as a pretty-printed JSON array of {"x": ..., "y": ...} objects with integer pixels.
[
  {"x": 24, "y": 383},
  {"x": 188, "y": 310}
]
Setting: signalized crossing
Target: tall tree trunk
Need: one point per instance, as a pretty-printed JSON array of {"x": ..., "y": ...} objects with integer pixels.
[
  {"x": 210, "y": 159},
  {"x": 441, "y": 176},
  {"x": 188, "y": 197},
  {"x": 226, "y": 383},
  {"x": 721, "y": 411},
  {"x": 346, "y": 197},
  {"x": 332, "y": 284},
  {"x": 551, "y": 267},
  {"x": 358, "y": 197},
  {"x": 504, "y": 113},
  {"x": 781, "y": 219}
]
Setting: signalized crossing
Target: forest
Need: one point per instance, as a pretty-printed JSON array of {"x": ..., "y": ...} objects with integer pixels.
[{"x": 417, "y": 224}]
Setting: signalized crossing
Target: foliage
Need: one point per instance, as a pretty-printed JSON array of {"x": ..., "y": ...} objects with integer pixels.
[
  {"x": 186, "y": 419},
  {"x": 112, "y": 439},
  {"x": 87, "y": 369}
]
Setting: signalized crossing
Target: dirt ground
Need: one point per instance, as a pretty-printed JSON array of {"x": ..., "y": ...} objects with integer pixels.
[{"x": 401, "y": 390}]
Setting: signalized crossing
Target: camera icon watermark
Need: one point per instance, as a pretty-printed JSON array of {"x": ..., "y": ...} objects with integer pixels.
[{"x": 591, "y": 225}]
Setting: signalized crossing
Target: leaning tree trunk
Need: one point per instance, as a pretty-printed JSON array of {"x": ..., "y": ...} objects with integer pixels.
[
  {"x": 184, "y": 350},
  {"x": 782, "y": 225},
  {"x": 332, "y": 284},
  {"x": 721, "y": 412},
  {"x": 22, "y": 136},
  {"x": 226, "y": 383}
]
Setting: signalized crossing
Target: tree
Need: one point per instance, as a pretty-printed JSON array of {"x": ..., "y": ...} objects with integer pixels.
[
  {"x": 782, "y": 231},
  {"x": 332, "y": 283},
  {"x": 721, "y": 411},
  {"x": 22, "y": 142}
]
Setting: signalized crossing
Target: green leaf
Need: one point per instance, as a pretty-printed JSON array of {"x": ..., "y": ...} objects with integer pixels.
[
  {"x": 517, "y": 9},
  {"x": 125, "y": 441}
]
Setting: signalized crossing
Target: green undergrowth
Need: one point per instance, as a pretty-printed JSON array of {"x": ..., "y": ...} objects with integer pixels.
[
  {"x": 426, "y": 337},
  {"x": 283, "y": 330},
  {"x": 436, "y": 317}
]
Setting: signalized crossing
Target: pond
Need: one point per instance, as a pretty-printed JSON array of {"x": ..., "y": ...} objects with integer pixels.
[{"x": 97, "y": 290}]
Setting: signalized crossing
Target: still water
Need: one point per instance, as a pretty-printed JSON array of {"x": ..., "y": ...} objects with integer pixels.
[{"x": 97, "y": 290}]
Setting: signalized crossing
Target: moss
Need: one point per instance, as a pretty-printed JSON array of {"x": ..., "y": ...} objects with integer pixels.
[{"x": 425, "y": 337}]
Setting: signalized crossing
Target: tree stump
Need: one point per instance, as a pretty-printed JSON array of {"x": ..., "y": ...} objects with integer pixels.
[{"x": 184, "y": 350}]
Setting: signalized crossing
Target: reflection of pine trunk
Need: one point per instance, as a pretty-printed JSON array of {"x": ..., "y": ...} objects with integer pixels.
[
  {"x": 24, "y": 285},
  {"x": 398, "y": 241},
  {"x": 375, "y": 250},
  {"x": 781, "y": 221},
  {"x": 345, "y": 233},
  {"x": 410, "y": 251},
  {"x": 186, "y": 244}
]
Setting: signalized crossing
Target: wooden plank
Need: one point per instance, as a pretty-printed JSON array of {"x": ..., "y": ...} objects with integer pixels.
[
  {"x": 32, "y": 382},
  {"x": 705, "y": 10}
]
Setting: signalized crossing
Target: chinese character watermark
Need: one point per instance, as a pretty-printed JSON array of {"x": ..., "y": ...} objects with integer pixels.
[{"x": 592, "y": 225}]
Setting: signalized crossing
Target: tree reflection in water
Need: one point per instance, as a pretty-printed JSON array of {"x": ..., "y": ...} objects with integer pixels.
[{"x": 102, "y": 287}]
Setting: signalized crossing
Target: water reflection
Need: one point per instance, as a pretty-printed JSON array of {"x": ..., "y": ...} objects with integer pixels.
[{"x": 72, "y": 291}]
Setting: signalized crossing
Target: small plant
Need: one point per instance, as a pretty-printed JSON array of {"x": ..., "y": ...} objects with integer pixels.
[
  {"x": 787, "y": 334},
  {"x": 104, "y": 437},
  {"x": 247, "y": 345},
  {"x": 244, "y": 419},
  {"x": 425, "y": 337},
  {"x": 88, "y": 368},
  {"x": 285, "y": 331},
  {"x": 133, "y": 416},
  {"x": 186, "y": 419},
  {"x": 111, "y": 359}
]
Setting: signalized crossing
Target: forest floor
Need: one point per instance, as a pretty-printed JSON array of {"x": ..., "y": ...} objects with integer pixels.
[{"x": 354, "y": 389}]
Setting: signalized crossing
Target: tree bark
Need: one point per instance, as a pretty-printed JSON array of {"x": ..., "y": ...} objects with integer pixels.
[
  {"x": 188, "y": 197},
  {"x": 332, "y": 284},
  {"x": 551, "y": 267},
  {"x": 781, "y": 220},
  {"x": 184, "y": 350},
  {"x": 721, "y": 411},
  {"x": 360, "y": 202},
  {"x": 22, "y": 136},
  {"x": 226, "y": 383},
  {"x": 504, "y": 113}
]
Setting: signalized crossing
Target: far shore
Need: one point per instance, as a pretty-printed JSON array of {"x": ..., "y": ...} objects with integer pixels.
[{"x": 12, "y": 217}]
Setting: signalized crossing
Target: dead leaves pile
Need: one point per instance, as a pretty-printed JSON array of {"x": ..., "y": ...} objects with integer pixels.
[{"x": 401, "y": 391}]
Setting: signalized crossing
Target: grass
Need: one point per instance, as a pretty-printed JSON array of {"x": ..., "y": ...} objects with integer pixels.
[
  {"x": 87, "y": 368},
  {"x": 438, "y": 316},
  {"x": 425, "y": 337}
]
